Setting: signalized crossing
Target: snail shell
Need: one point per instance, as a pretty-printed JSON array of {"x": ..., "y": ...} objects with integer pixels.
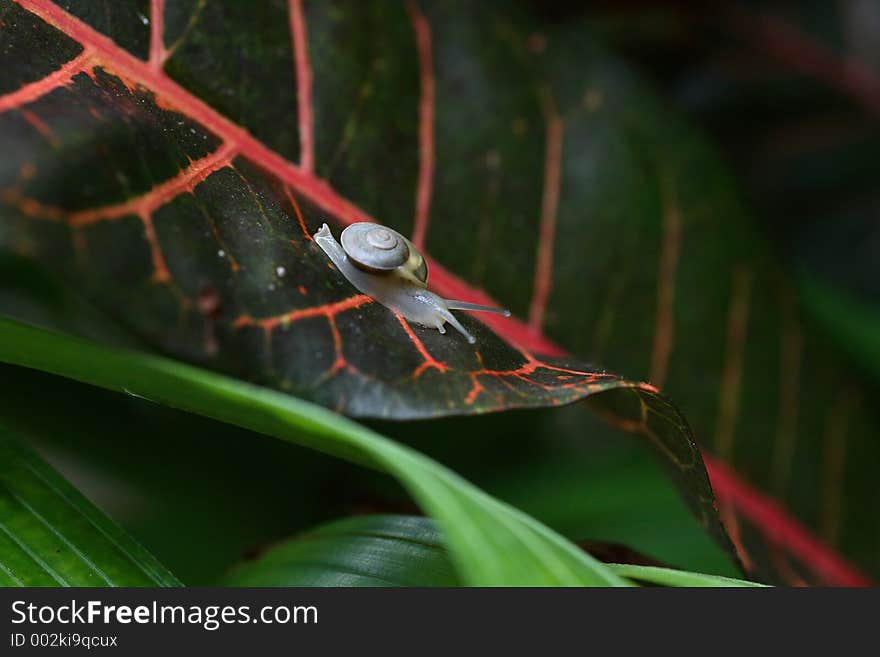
[
  {"x": 379, "y": 249},
  {"x": 383, "y": 264}
]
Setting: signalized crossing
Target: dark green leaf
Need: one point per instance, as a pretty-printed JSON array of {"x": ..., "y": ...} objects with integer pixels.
[
  {"x": 50, "y": 535},
  {"x": 853, "y": 321},
  {"x": 361, "y": 551}
]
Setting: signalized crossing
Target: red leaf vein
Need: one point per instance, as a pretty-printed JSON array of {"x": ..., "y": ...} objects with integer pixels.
[
  {"x": 549, "y": 208},
  {"x": 35, "y": 90},
  {"x": 425, "y": 183},
  {"x": 428, "y": 361},
  {"x": 326, "y": 310},
  {"x": 303, "y": 70},
  {"x": 161, "y": 194},
  {"x": 158, "y": 53},
  {"x": 664, "y": 325}
]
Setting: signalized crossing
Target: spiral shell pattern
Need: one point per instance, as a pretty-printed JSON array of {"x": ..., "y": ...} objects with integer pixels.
[{"x": 374, "y": 247}]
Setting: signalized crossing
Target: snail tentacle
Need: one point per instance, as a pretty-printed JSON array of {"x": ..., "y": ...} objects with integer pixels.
[
  {"x": 467, "y": 305},
  {"x": 449, "y": 317}
]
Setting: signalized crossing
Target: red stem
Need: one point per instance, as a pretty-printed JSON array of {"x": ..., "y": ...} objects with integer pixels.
[
  {"x": 780, "y": 529},
  {"x": 798, "y": 51}
]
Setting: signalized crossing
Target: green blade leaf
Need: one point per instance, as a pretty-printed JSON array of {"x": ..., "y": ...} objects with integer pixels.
[
  {"x": 50, "y": 535},
  {"x": 375, "y": 550},
  {"x": 492, "y": 544},
  {"x": 671, "y": 577}
]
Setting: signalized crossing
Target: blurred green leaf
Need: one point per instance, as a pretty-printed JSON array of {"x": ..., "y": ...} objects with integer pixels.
[
  {"x": 789, "y": 91},
  {"x": 50, "y": 535},
  {"x": 853, "y": 321}
]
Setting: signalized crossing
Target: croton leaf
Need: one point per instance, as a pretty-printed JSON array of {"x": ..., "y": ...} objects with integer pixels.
[
  {"x": 502, "y": 138},
  {"x": 791, "y": 94}
]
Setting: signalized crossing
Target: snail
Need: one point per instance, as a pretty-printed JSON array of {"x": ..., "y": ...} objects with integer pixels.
[{"x": 384, "y": 265}]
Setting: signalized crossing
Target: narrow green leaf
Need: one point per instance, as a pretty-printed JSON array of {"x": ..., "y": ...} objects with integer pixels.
[
  {"x": 491, "y": 543},
  {"x": 50, "y": 535},
  {"x": 671, "y": 577}
]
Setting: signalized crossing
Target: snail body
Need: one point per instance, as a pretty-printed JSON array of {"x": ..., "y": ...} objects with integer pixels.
[{"x": 384, "y": 265}]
